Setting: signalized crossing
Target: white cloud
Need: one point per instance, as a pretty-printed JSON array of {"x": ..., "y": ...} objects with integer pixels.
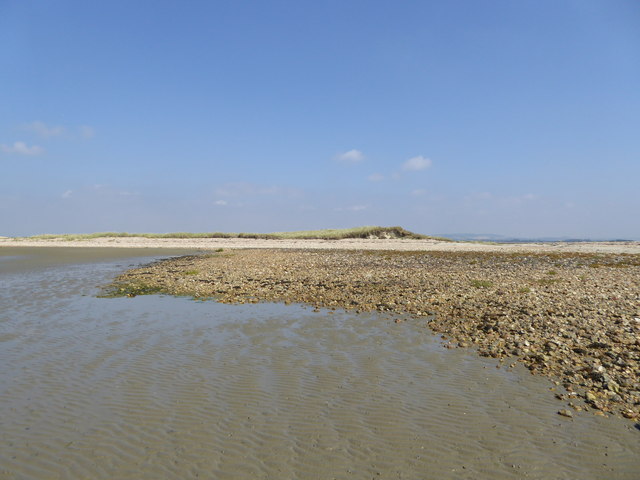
[
  {"x": 67, "y": 194},
  {"x": 375, "y": 177},
  {"x": 352, "y": 156},
  {"x": 415, "y": 164},
  {"x": 43, "y": 130},
  {"x": 47, "y": 131},
  {"x": 22, "y": 148},
  {"x": 221, "y": 203}
]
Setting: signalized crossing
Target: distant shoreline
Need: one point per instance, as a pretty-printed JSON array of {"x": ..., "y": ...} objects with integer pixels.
[{"x": 397, "y": 244}]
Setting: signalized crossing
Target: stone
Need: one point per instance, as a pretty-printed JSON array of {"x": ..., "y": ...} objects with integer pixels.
[{"x": 582, "y": 330}]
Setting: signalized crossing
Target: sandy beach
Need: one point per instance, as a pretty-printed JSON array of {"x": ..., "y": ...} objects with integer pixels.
[
  {"x": 569, "y": 311},
  {"x": 571, "y": 316},
  {"x": 159, "y": 386},
  {"x": 345, "y": 244}
]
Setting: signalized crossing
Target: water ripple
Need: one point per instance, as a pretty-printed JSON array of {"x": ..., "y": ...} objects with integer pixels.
[{"x": 158, "y": 387}]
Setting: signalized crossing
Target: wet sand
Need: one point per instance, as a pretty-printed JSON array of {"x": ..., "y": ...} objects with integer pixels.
[
  {"x": 25, "y": 258},
  {"x": 164, "y": 387},
  {"x": 572, "y": 317}
]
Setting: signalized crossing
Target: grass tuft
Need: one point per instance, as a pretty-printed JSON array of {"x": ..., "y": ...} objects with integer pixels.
[
  {"x": 130, "y": 290},
  {"x": 481, "y": 283}
]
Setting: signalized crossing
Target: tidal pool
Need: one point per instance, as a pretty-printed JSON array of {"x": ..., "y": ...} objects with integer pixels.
[{"x": 162, "y": 387}]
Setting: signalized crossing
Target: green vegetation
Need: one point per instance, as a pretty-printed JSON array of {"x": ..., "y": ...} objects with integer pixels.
[
  {"x": 130, "y": 289},
  {"x": 481, "y": 283},
  {"x": 328, "y": 234},
  {"x": 621, "y": 263}
]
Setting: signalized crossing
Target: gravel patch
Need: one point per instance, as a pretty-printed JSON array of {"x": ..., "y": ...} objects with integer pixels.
[{"x": 574, "y": 317}]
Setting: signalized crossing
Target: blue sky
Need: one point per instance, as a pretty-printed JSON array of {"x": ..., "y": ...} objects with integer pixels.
[{"x": 519, "y": 118}]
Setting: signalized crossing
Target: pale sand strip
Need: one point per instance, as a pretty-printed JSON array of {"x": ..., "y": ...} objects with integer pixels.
[{"x": 347, "y": 244}]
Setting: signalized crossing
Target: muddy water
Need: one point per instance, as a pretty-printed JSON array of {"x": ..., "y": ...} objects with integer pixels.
[{"x": 160, "y": 387}]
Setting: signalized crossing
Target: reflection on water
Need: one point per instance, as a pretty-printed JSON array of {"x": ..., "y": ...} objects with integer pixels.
[{"x": 161, "y": 387}]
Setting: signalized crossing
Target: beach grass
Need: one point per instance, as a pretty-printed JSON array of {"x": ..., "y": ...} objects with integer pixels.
[{"x": 366, "y": 232}]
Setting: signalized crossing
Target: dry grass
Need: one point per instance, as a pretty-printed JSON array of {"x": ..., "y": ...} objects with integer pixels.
[{"x": 327, "y": 234}]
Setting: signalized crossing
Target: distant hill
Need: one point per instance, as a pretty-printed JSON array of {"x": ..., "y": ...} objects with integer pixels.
[
  {"x": 368, "y": 232},
  {"x": 492, "y": 237}
]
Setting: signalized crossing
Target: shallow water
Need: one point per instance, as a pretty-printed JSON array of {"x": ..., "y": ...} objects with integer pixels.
[{"x": 161, "y": 387}]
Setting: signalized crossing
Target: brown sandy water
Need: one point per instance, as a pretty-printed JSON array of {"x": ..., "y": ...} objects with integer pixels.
[{"x": 160, "y": 387}]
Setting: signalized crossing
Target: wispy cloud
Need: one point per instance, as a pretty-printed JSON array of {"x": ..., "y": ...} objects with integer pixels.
[
  {"x": 247, "y": 189},
  {"x": 220, "y": 203},
  {"x": 21, "y": 148},
  {"x": 44, "y": 130},
  {"x": 86, "y": 193},
  {"x": 419, "y": 192},
  {"x": 352, "y": 208},
  {"x": 497, "y": 200},
  {"x": 375, "y": 177},
  {"x": 87, "y": 131},
  {"x": 244, "y": 189},
  {"x": 477, "y": 196},
  {"x": 47, "y": 131},
  {"x": 357, "y": 208},
  {"x": 415, "y": 164},
  {"x": 108, "y": 190},
  {"x": 352, "y": 156}
]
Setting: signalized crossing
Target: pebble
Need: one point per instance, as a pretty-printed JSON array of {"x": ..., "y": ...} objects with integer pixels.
[{"x": 579, "y": 326}]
